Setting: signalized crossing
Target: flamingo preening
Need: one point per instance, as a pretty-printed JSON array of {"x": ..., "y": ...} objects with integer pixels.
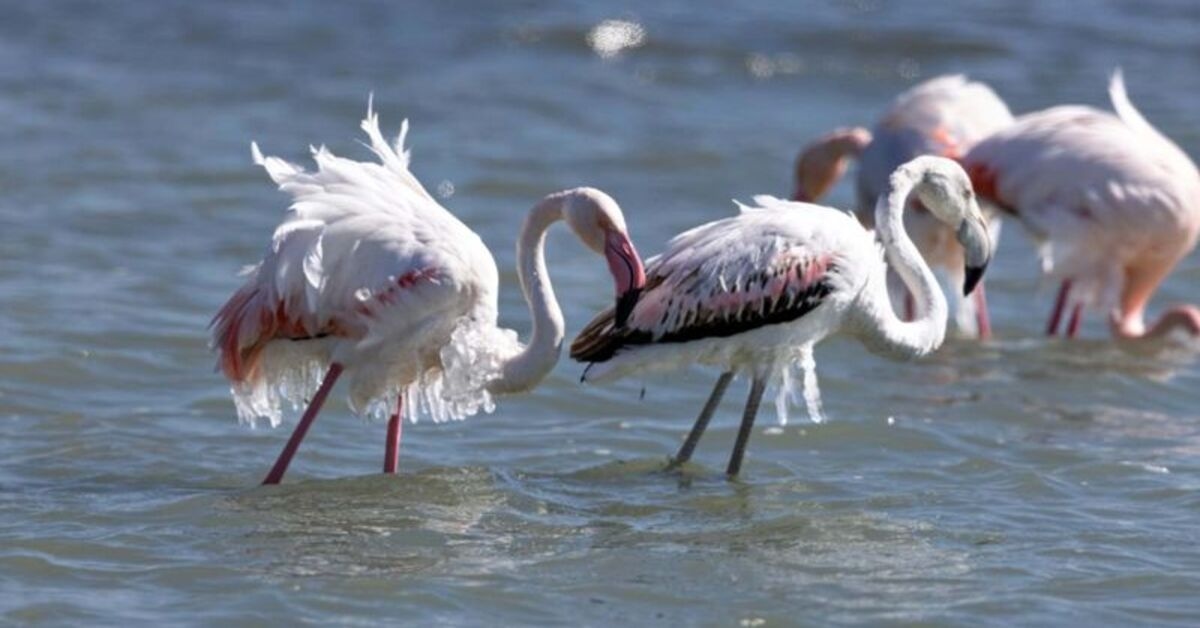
[
  {"x": 942, "y": 116},
  {"x": 369, "y": 276},
  {"x": 1114, "y": 204},
  {"x": 753, "y": 291}
]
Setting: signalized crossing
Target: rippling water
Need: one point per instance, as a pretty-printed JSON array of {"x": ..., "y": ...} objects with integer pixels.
[{"x": 1024, "y": 481}]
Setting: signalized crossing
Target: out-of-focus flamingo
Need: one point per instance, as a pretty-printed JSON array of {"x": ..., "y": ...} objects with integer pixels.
[
  {"x": 1114, "y": 204},
  {"x": 942, "y": 116},
  {"x": 752, "y": 291},
  {"x": 369, "y": 276}
]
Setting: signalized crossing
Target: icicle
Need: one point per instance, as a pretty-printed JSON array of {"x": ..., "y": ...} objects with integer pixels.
[
  {"x": 812, "y": 393},
  {"x": 784, "y": 393}
]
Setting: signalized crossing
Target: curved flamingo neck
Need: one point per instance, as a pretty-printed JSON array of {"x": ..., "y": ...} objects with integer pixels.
[
  {"x": 528, "y": 367},
  {"x": 882, "y": 331}
]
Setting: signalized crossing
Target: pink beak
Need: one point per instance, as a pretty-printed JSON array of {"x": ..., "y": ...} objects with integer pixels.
[{"x": 628, "y": 274}]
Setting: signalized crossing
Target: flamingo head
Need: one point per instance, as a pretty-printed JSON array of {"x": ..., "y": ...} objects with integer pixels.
[
  {"x": 945, "y": 190},
  {"x": 824, "y": 161},
  {"x": 597, "y": 220}
]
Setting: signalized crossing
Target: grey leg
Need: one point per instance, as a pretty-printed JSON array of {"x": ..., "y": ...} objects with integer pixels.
[
  {"x": 757, "y": 387},
  {"x": 693, "y": 437}
]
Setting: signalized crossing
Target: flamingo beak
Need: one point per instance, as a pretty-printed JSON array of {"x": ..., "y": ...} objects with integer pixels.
[
  {"x": 977, "y": 246},
  {"x": 972, "y": 277},
  {"x": 628, "y": 274}
]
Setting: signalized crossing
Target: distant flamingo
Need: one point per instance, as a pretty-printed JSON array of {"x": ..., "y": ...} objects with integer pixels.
[
  {"x": 748, "y": 292},
  {"x": 942, "y": 116},
  {"x": 1114, "y": 203},
  {"x": 370, "y": 276}
]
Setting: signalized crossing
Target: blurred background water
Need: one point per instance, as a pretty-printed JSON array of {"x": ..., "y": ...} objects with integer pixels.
[{"x": 1022, "y": 481}]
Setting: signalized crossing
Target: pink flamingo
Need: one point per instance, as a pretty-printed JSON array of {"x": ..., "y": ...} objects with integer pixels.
[
  {"x": 942, "y": 116},
  {"x": 369, "y": 276},
  {"x": 1114, "y": 204},
  {"x": 751, "y": 291}
]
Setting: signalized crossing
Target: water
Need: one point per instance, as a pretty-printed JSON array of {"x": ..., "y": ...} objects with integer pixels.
[{"x": 1024, "y": 481}]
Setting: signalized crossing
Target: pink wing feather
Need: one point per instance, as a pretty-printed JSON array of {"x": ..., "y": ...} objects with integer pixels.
[{"x": 720, "y": 279}]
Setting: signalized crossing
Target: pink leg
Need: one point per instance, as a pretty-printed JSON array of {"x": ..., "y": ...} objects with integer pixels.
[
  {"x": 391, "y": 454},
  {"x": 982, "y": 322},
  {"x": 310, "y": 413},
  {"x": 1073, "y": 324},
  {"x": 1059, "y": 304},
  {"x": 910, "y": 307}
]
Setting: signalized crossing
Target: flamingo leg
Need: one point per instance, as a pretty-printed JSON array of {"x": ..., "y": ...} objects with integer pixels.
[
  {"x": 757, "y": 387},
  {"x": 310, "y": 413},
  {"x": 910, "y": 307},
  {"x": 1073, "y": 323},
  {"x": 693, "y": 437},
  {"x": 391, "y": 454},
  {"x": 983, "y": 324},
  {"x": 1059, "y": 304}
]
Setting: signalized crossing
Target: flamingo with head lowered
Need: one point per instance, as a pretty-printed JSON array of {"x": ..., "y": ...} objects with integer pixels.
[
  {"x": 745, "y": 293},
  {"x": 942, "y": 116},
  {"x": 370, "y": 277},
  {"x": 1114, "y": 204}
]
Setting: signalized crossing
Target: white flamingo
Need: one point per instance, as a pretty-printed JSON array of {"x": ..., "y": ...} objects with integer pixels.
[
  {"x": 943, "y": 116},
  {"x": 1113, "y": 202},
  {"x": 368, "y": 275},
  {"x": 748, "y": 292}
]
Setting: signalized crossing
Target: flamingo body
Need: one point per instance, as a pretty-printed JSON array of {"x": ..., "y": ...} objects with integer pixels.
[
  {"x": 366, "y": 270},
  {"x": 1113, "y": 203},
  {"x": 744, "y": 290},
  {"x": 945, "y": 116}
]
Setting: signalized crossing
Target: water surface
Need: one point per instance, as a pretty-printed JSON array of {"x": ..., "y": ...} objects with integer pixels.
[{"x": 1024, "y": 481}]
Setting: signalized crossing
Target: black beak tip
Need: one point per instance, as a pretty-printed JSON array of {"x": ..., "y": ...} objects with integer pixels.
[
  {"x": 972, "y": 278},
  {"x": 625, "y": 303}
]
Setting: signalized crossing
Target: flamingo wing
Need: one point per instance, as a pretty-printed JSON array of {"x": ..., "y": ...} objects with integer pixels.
[
  {"x": 357, "y": 239},
  {"x": 763, "y": 267}
]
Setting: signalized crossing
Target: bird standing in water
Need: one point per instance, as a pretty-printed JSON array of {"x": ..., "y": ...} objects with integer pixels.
[
  {"x": 747, "y": 293},
  {"x": 370, "y": 277},
  {"x": 1114, "y": 204}
]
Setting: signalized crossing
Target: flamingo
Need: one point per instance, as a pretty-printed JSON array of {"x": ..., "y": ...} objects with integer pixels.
[
  {"x": 1113, "y": 203},
  {"x": 369, "y": 276},
  {"x": 943, "y": 116},
  {"x": 745, "y": 293}
]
